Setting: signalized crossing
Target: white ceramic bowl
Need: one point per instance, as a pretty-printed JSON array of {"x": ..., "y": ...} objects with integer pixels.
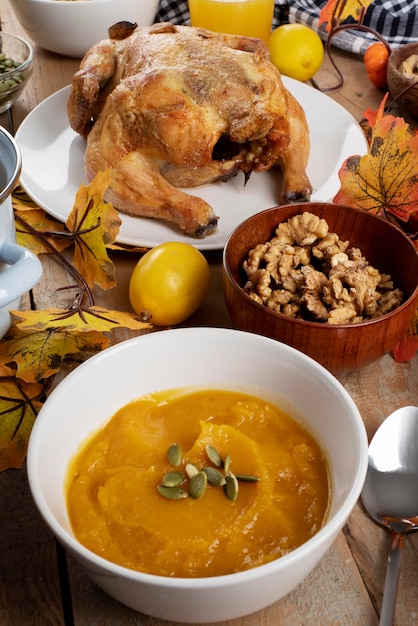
[
  {"x": 211, "y": 357},
  {"x": 71, "y": 27}
]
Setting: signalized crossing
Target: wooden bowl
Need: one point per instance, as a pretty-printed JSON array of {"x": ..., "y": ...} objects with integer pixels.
[
  {"x": 397, "y": 81},
  {"x": 340, "y": 348}
]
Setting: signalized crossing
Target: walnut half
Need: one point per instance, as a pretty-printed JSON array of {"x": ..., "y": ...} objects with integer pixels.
[{"x": 306, "y": 272}]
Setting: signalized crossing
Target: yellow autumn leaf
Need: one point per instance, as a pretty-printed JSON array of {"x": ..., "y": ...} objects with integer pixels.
[
  {"x": 19, "y": 406},
  {"x": 40, "y": 354},
  {"x": 121, "y": 247},
  {"x": 94, "y": 318},
  {"x": 38, "y": 220},
  {"x": 21, "y": 201},
  {"x": 94, "y": 225}
]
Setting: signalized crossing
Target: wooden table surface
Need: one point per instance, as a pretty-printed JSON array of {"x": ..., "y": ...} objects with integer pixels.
[{"x": 40, "y": 585}]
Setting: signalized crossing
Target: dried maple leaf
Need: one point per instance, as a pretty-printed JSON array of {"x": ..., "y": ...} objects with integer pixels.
[
  {"x": 386, "y": 179},
  {"x": 21, "y": 201},
  {"x": 371, "y": 115},
  {"x": 6, "y": 371},
  {"x": 40, "y": 222},
  {"x": 94, "y": 224},
  {"x": 336, "y": 11},
  {"x": 122, "y": 247},
  {"x": 19, "y": 406},
  {"x": 39, "y": 343},
  {"x": 40, "y": 354},
  {"x": 79, "y": 320}
]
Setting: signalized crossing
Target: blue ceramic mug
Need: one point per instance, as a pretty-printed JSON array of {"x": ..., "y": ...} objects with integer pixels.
[{"x": 20, "y": 270}]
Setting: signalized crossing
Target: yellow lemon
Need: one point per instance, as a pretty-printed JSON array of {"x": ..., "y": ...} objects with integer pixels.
[
  {"x": 170, "y": 282},
  {"x": 296, "y": 50}
]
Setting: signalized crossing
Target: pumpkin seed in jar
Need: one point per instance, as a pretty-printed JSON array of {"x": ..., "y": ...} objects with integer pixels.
[{"x": 9, "y": 80}]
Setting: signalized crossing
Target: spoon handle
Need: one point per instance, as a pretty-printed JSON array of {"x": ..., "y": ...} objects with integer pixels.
[{"x": 392, "y": 579}]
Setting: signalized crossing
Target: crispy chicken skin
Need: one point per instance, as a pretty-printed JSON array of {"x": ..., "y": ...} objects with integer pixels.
[{"x": 174, "y": 106}]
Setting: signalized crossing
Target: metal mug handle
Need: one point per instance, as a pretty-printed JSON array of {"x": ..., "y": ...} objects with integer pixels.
[{"x": 24, "y": 271}]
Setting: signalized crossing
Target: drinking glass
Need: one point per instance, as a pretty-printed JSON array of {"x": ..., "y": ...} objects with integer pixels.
[{"x": 252, "y": 18}]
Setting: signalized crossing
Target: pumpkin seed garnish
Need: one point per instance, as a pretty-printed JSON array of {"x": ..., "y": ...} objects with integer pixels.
[
  {"x": 214, "y": 456},
  {"x": 197, "y": 486},
  {"x": 191, "y": 470},
  {"x": 172, "y": 493},
  {"x": 227, "y": 463},
  {"x": 174, "y": 455},
  {"x": 200, "y": 479},
  {"x": 173, "y": 479},
  {"x": 247, "y": 478},
  {"x": 231, "y": 486},
  {"x": 215, "y": 476}
]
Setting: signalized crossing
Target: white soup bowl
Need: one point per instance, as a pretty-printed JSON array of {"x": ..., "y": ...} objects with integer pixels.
[{"x": 212, "y": 358}]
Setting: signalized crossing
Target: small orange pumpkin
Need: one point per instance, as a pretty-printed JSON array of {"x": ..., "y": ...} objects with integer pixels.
[{"x": 376, "y": 62}]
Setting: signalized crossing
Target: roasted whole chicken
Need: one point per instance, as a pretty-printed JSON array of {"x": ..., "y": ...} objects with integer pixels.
[{"x": 169, "y": 107}]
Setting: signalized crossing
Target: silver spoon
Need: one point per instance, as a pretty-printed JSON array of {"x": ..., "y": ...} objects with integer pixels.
[{"x": 390, "y": 492}]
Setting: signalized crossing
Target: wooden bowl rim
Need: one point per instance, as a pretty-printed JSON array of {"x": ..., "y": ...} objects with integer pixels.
[
  {"x": 308, "y": 323},
  {"x": 400, "y": 54}
]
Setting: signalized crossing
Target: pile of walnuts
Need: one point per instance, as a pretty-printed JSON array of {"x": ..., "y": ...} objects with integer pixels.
[{"x": 307, "y": 272}]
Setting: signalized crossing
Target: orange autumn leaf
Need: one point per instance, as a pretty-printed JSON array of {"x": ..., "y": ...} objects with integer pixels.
[
  {"x": 94, "y": 318},
  {"x": 371, "y": 116},
  {"x": 5, "y": 370},
  {"x": 337, "y": 11},
  {"x": 386, "y": 179},
  {"x": 40, "y": 354},
  {"x": 94, "y": 225}
]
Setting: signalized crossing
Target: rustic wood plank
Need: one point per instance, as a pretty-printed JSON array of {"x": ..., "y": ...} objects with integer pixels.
[
  {"x": 357, "y": 94},
  {"x": 378, "y": 390},
  {"x": 29, "y": 582},
  {"x": 369, "y": 544}
]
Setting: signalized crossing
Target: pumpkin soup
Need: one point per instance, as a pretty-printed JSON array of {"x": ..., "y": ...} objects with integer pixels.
[{"x": 197, "y": 483}]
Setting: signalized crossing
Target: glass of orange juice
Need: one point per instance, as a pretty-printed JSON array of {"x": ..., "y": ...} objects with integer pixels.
[{"x": 252, "y": 18}]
